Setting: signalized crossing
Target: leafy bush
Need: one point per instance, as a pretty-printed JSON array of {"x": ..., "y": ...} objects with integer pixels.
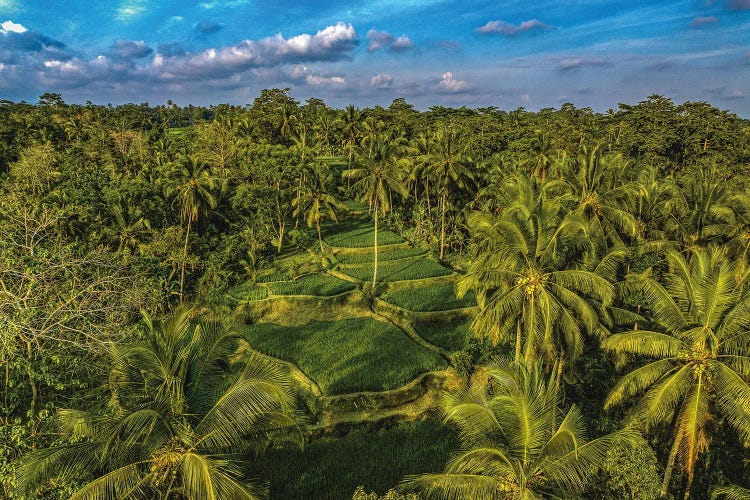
[
  {"x": 437, "y": 297},
  {"x": 352, "y": 355},
  {"x": 320, "y": 284},
  {"x": 399, "y": 270},
  {"x": 332, "y": 468},
  {"x": 629, "y": 472}
]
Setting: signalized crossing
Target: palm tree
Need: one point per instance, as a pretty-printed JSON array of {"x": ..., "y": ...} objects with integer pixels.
[
  {"x": 604, "y": 195},
  {"x": 517, "y": 441},
  {"x": 377, "y": 178},
  {"x": 186, "y": 401},
  {"x": 191, "y": 184},
  {"x": 525, "y": 286},
  {"x": 699, "y": 351},
  {"x": 315, "y": 200},
  {"x": 730, "y": 492},
  {"x": 449, "y": 164}
]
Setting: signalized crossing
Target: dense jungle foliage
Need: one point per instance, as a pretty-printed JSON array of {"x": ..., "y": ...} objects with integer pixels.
[{"x": 236, "y": 301}]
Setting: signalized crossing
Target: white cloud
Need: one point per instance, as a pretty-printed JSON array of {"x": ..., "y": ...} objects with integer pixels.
[
  {"x": 11, "y": 27},
  {"x": 378, "y": 40},
  {"x": 401, "y": 43},
  {"x": 450, "y": 85},
  {"x": 511, "y": 29},
  {"x": 382, "y": 81},
  {"x": 571, "y": 63},
  {"x": 525, "y": 97},
  {"x": 129, "y": 9},
  {"x": 302, "y": 74},
  {"x": 9, "y": 5},
  {"x": 332, "y": 43},
  {"x": 2, "y": 66}
]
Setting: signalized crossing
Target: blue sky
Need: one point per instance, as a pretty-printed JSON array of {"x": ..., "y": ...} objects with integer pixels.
[{"x": 473, "y": 52}]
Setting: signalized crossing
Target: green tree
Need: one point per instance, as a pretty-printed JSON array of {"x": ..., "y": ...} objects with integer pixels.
[
  {"x": 525, "y": 288},
  {"x": 376, "y": 179},
  {"x": 448, "y": 163},
  {"x": 191, "y": 184},
  {"x": 186, "y": 400},
  {"x": 699, "y": 353},
  {"x": 517, "y": 441},
  {"x": 316, "y": 202}
]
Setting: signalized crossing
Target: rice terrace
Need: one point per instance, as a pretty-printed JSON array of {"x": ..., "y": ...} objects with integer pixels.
[{"x": 383, "y": 250}]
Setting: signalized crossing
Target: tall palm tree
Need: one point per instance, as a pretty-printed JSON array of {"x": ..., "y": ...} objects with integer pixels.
[
  {"x": 604, "y": 195},
  {"x": 376, "y": 179},
  {"x": 316, "y": 201},
  {"x": 525, "y": 286},
  {"x": 449, "y": 164},
  {"x": 517, "y": 441},
  {"x": 186, "y": 401},
  {"x": 191, "y": 184},
  {"x": 699, "y": 354}
]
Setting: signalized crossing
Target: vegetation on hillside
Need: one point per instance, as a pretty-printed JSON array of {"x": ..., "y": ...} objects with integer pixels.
[{"x": 388, "y": 258}]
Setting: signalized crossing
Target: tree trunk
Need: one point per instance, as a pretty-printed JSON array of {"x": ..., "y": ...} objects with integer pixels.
[
  {"x": 518, "y": 335},
  {"x": 280, "y": 221},
  {"x": 320, "y": 235},
  {"x": 670, "y": 465},
  {"x": 32, "y": 383},
  {"x": 442, "y": 226},
  {"x": 375, "y": 264},
  {"x": 184, "y": 260}
]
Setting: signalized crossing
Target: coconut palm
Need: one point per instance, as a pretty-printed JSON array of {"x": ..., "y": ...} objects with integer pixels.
[
  {"x": 315, "y": 201},
  {"x": 517, "y": 441},
  {"x": 187, "y": 400},
  {"x": 191, "y": 184},
  {"x": 604, "y": 194},
  {"x": 698, "y": 352},
  {"x": 525, "y": 288},
  {"x": 448, "y": 164},
  {"x": 376, "y": 180},
  {"x": 730, "y": 492}
]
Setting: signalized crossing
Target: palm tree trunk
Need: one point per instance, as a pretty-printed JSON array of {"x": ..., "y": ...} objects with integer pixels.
[
  {"x": 518, "y": 335},
  {"x": 442, "y": 225},
  {"x": 320, "y": 236},
  {"x": 670, "y": 466},
  {"x": 375, "y": 264},
  {"x": 184, "y": 260}
]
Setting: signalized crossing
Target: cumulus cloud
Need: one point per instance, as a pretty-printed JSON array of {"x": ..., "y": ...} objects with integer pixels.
[
  {"x": 738, "y": 4},
  {"x": 130, "y": 49},
  {"x": 207, "y": 27},
  {"x": 572, "y": 63},
  {"x": 11, "y": 27},
  {"x": 302, "y": 74},
  {"x": 449, "y": 84},
  {"x": 382, "y": 39},
  {"x": 382, "y": 81},
  {"x": 378, "y": 39},
  {"x": 702, "y": 21},
  {"x": 401, "y": 44},
  {"x": 332, "y": 43},
  {"x": 511, "y": 29}
]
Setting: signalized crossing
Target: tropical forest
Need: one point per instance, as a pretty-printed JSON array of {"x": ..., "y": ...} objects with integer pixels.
[{"x": 284, "y": 299}]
